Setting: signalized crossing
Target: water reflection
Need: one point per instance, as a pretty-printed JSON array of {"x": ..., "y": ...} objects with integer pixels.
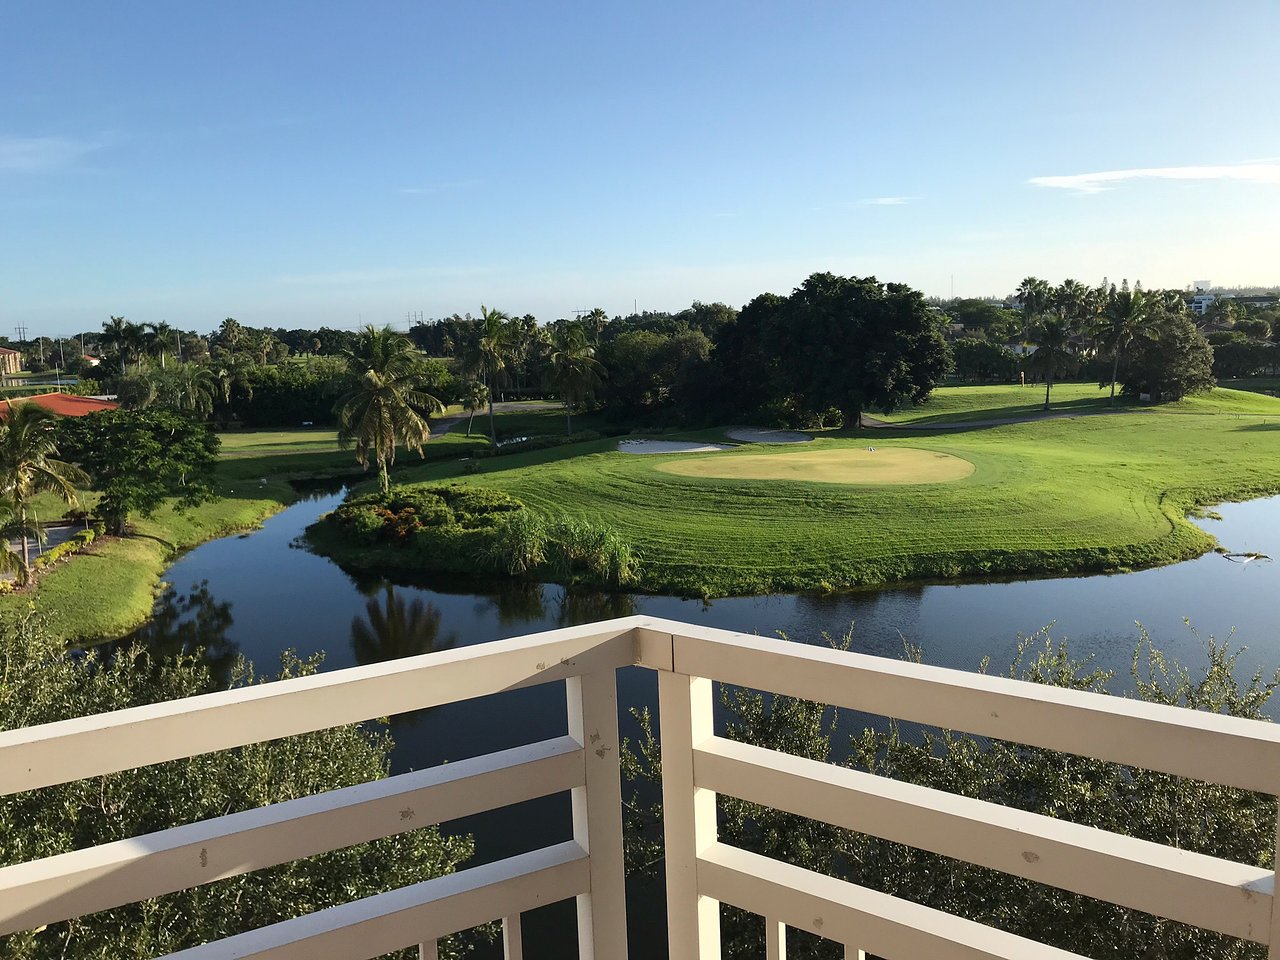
[
  {"x": 185, "y": 623},
  {"x": 585, "y": 606},
  {"x": 393, "y": 628}
]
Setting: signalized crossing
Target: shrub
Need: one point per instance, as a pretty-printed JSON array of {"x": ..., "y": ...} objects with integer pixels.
[
  {"x": 598, "y": 553},
  {"x": 519, "y": 544},
  {"x": 470, "y": 529}
]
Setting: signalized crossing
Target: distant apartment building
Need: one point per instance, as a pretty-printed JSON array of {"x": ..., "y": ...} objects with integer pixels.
[
  {"x": 10, "y": 361},
  {"x": 1200, "y": 303}
]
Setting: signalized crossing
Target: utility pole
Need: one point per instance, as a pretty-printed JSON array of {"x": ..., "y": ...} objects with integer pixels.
[{"x": 177, "y": 339}]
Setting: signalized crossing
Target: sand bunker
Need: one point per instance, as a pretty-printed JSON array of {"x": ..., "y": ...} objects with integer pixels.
[
  {"x": 764, "y": 435},
  {"x": 671, "y": 446},
  {"x": 867, "y": 466}
]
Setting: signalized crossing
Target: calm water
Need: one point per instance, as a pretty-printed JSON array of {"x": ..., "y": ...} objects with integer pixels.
[{"x": 260, "y": 594}]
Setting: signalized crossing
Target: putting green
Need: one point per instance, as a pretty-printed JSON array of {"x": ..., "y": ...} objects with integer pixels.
[{"x": 886, "y": 465}]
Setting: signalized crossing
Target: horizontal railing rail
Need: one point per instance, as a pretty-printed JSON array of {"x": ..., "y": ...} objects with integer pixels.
[
  {"x": 113, "y": 874},
  {"x": 139, "y": 736},
  {"x": 1219, "y": 895}
]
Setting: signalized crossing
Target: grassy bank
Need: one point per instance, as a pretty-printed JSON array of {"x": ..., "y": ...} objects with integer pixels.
[
  {"x": 110, "y": 589},
  {"x": 1049, "y": 497}
]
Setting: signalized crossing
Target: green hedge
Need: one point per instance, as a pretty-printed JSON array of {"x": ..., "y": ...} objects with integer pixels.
[{"x": 463, "y": 529}]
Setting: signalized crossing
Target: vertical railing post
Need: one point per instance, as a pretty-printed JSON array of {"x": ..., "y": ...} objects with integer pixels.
[
  {"x": 689, "y": 816},
  {"x": 430, "y": 950},
  {"x": 1273, "y": 947},
  {"x": 597, "y": 816},
  {"x": 775, "y": 939},
  {"x": 512, "y": 938}
]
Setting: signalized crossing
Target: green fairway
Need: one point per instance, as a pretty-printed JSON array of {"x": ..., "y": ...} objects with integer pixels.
[
  {"x": 1054, "y": 496},
  {"x": 956, "y": 405},
  {"x": 256, "y": 443},
  {"x": 849, "y": 465}
]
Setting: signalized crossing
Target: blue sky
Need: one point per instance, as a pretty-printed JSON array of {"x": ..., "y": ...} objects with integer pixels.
[{"x": 298, "y": 164}]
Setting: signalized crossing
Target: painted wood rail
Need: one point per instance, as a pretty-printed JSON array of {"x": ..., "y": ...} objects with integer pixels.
[{"x": 701, "y": 871}]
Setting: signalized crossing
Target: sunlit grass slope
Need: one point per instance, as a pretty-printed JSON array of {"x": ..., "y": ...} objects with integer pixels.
[
  {"x": 1012, "y": 401},
  {"x": 1074, "y": 495}
]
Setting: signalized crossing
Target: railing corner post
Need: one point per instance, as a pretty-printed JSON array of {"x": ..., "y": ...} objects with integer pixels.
[
  {"x": 689, "y": 816},
  {"x": 597, "y": 815}
]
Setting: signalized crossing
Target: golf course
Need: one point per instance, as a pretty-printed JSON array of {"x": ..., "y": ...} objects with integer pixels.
[{"x": 1047, "y": 496}]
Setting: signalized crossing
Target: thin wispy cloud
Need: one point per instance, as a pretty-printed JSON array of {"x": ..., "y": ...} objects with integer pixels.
[
  {"x": 888, "y": 201},
  {"x": 436, "y": 189},
  {"x": 1089, "y": 183},
  {"x": 41, "y": 154}
]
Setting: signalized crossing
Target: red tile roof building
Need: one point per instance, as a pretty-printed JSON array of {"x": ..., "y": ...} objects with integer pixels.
[{"x": 63, "y": 404}]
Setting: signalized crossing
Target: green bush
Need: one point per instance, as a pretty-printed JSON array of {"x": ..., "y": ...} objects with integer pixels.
[
  {"x": 472, "y": 529},
  {"x": 580, "y": 549}
]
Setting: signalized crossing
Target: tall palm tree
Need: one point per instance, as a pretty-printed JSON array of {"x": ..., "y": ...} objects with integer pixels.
[
  {"x": 474, "y": 396},
  {"x": 574, "y": 368},
  {"x": 494, "y": 347},
  {"x": 1124, "y": 319},
  {"x": 122, "y": 338},
  {"x": 596, "y": 321},
  {"x": 1035, "y": 296},
  {"x": 158, "y": 337},
  {"x": 1052, "y": 356},
  {"x": 386, "y": 404},
  {"x": 189, "y": 388},
  {"x": 28, "y": 466}
]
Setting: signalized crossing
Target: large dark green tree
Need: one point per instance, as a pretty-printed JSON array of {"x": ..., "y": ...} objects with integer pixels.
[
  {"x": 844, "y": 343},
  {"x": 139, "y": 459},
  {"x": 1173, "y": 360}
]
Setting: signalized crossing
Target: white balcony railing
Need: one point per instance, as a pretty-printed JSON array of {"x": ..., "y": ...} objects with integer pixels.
[{"x": 1219, "y": 895}]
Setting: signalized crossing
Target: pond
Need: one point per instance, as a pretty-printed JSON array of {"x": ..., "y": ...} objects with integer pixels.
[{"x": 262, "y": 593}]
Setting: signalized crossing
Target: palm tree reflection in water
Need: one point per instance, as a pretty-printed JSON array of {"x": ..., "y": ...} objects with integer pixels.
[{"x": 394, "y": 628}]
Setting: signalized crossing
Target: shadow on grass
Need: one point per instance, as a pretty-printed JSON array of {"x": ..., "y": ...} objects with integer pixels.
[{"x": 1028, "y": 411}]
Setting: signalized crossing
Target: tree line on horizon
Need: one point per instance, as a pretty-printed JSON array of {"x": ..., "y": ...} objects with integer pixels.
[{"x": 823, "y": 355}]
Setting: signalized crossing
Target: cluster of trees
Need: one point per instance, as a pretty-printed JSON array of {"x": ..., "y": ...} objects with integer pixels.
[
  {"x": 1144, "y": 342},
  {"x": 832, "y": 349},
  {"x": 1245, "y": 342}
]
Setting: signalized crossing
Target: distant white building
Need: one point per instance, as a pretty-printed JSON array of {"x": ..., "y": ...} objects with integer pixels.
[{"x": 1200, "y": 303}]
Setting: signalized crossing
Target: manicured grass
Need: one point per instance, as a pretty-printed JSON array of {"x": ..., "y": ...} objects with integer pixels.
[
  {"x": 537, "y": 419},
  {"x": 256, "y": 443},
  {"x": 951, "y": 405},
  {"x": 848, "y": 465},
  {"x": 1002, "y": 401},
  {"x": 1054, "y": 496}
]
